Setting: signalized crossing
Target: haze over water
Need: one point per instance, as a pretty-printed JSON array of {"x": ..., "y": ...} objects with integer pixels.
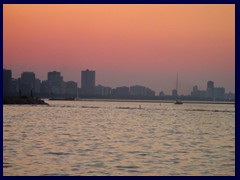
[{"x": 118, "y": 138}]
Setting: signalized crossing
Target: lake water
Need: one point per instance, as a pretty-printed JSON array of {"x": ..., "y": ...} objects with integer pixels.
[{"x": 117, "y": 138}]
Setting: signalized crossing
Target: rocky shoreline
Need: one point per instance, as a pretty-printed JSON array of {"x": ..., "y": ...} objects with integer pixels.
[{"x": 23, "y": 100}]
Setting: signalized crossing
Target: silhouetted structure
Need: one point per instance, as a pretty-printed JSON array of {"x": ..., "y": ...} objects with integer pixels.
[
  {"x": 7, "y": 81},
  {"x": 174, "y": 93},
  {"x": 88, "y": 82},
  {"x": 102, "y": 90},
  {"x": 219, "y": 93},
  {"x": 71, "y": 89},
  {"x": 55, "y": 83},
  {"x": 27, "y": 83},
  {"x": 138, "y": 90},
  {"x": 210, "y": 90},
  {"x": 197, "y": 94},
  {"x": 55, "y": 87},
  {"x": 161, "y": 94}
]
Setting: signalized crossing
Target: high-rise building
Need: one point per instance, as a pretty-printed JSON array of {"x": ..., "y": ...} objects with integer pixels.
[
  {"x": 210, "y": 90},
  {"x": 55, "y": 78},
  {"x": 37, "y": 86},
  {"x": 56, "y": 83},
  {"x": 219, "y": 93},
  {"x": 88, "y": 82},
  {"x": 7, "y": 78},
  {"x": 196, "y": 93},
  {"x": 71, "y": 89},
  {"x": 27, "y": 83}
]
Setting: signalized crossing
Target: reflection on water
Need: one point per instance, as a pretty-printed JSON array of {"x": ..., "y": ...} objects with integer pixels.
[{"x": 119, "y": 138}]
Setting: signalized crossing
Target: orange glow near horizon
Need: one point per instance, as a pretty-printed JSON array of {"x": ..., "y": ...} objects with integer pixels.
[{"x": 125, "y": 44}]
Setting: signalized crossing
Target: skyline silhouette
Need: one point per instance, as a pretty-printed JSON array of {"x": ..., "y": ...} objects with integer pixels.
[
  {"x": 125, "y": 44},
  {"x": 55, "y": 86}
]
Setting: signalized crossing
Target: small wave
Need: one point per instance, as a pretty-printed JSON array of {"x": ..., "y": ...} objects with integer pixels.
[
  {"x": 57, "y": 153},
  {"x": 61, "y": 106},
  {"x": 127, "y": 167},
  {"x": 210, "y": 110},
  {"x": 90, "y": 107},
  {"x": 128, "y": 108}
]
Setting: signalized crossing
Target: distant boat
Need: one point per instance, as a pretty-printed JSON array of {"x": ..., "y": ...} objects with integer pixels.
[{"x": 178, "y": 101}]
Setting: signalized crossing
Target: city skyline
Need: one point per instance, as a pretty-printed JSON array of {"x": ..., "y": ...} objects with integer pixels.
[
  {"x": 124, "y": 44},
  {"x": 79, "y": 83},
  {"x": 87, "y": 85}
]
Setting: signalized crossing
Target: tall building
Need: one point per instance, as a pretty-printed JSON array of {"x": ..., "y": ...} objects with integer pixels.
[
  {"x": 219, "y": 93},
  {"x": 71, "y": 89},
  {"x": 141, "y": 91},
  {"x": 197, "y": 94},
  {"x": 7, "y": 80},
  {"x": 210, "y": 90},
  {"x": 55, "y": 78},
  {"x": 88, "y": 82},
  {"x": 56, "y": 83},
  {"x": 37, "y": 87},
  {"x": 27, "y": 83}
]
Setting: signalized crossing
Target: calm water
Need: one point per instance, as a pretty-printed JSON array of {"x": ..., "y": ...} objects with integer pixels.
[{"x": 118, "y": 138}]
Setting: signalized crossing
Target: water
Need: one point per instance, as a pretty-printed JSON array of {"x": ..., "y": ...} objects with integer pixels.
[{"x": 118, "y": 138}]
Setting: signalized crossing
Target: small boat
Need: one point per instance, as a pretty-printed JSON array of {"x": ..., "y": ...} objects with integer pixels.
[{"x": 178, "y": 101}]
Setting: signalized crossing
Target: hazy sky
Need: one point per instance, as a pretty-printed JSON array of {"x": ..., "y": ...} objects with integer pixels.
[{"x": 125, "y": 44}]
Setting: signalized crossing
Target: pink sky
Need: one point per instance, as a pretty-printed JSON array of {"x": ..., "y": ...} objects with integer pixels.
[{"x": 125, "y": 44}]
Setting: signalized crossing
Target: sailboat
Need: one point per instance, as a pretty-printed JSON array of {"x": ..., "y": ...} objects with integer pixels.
[{"x": 177, "y": 101}]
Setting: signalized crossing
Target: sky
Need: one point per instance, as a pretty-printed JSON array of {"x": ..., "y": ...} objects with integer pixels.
[{"x": 134, "y": 44}]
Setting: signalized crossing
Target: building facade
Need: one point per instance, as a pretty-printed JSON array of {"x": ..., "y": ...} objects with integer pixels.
[
  {"x": 27, "y": 84},
  {"x": 7, "y": 80},
  {"x": 88, "y": 82}
]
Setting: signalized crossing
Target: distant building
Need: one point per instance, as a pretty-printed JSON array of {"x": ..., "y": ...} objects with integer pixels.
[
  {"x": 99, "y": 90},
  {"x": 230, "y": 96},
  {"x": 45, "y": 88},
  {"x": 210, "y": 90},
  {"x": 15, "y": 86},
  {"x": 56, "y": 84},
  {"x": 7, "y": 78},
  {"x": 174, "y": 93},
  {"x": 88, "y": 82},
  {"x": 122, "y": 91},
  {"x": 161, "y": 94},
  {"x": 55, "y": 78},
  {"x": 219, "y": 93},
  {"x": 71, "y": 89},
  {"x": 37, "y": 87},
  {"x": 27, "y": 83},
  {"x": 138, "y": 90},
  {"x": 197, "y": 94}
]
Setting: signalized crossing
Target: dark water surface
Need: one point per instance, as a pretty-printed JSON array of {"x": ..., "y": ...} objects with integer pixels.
[{"x": 118, "y": 138}]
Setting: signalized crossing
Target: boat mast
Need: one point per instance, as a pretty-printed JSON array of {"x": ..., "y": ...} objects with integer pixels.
[{"x": 177, "y": 84}]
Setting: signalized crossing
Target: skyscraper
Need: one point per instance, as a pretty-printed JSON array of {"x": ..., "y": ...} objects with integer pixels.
[
  {"x": 88, "y": 82},
  {"x": 7, "y": 78},
  {"x": 210, "y": 90},
  {"x": 27, "y": 83},
  {"x": 55, "y": 81}
]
